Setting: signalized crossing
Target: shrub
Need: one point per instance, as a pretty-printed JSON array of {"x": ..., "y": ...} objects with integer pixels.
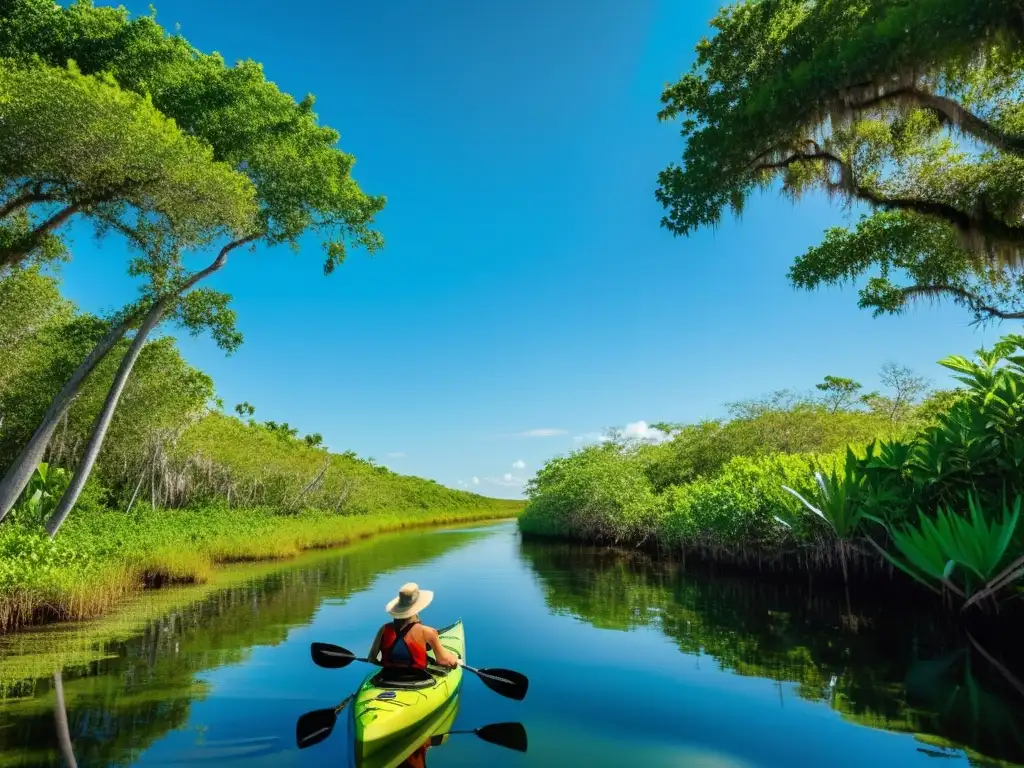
[{"x": 599, "y": 493}]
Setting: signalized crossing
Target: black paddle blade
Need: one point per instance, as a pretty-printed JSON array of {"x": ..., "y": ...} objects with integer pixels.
[
  {"x": 507, "y": 682},
  {"x": 330, "y": 656},
  {"x": 510, "y": 735},
  {"x": 313, "y": 727}
]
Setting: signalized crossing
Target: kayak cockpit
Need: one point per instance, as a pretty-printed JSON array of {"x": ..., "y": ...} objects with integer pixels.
[{"x": 403, "y": 678}]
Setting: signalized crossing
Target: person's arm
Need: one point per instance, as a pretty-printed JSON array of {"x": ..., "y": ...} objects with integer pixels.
[
  {"x": 441, "y": 654},
  {"x": 375, "y": 647}
]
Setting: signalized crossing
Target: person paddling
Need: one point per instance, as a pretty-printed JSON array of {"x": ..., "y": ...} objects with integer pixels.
[{"x": 403, "y": 641}]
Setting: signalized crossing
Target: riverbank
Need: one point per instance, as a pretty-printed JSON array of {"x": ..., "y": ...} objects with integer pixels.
[
  {"x": 938, "y": 499},
  {"x": 103, "y": 557}
]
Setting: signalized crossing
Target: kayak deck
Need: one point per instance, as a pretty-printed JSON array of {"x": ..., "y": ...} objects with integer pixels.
[
  {"x": 392, "y": 705},
  {"x": 393, "y": 753}
]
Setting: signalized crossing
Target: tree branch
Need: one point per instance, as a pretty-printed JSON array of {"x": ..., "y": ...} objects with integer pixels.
[
  {"x": 219, "y": 262},
  {"x": 979, "y": 230},
  {"x": 947, "y": 110},
  {"x": 23, "y": 201},
  {"x": 12, "y": 254},
  {"x": 972, "y": 300}
]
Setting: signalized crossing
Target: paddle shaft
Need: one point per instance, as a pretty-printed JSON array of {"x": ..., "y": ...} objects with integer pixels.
[
  {"x": 346, "y": 700},
  {"x": 485, "y": 674},
  {"x": 505, "y": 682}
]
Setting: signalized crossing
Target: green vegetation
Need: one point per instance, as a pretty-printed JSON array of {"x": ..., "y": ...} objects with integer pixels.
[
  {"x": 915, "y": 111},
  {"x": 940, "y": 483},
  {"x": 256, "y": 168},
  {"x": 179, "y": 485},
  {"x": 912, "y": 109}
]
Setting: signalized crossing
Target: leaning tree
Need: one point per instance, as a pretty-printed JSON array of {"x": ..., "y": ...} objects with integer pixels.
[{"x": 302, "y": 179}]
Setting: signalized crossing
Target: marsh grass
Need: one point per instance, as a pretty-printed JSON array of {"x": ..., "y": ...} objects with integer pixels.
[{"x": 102, "y": 558}]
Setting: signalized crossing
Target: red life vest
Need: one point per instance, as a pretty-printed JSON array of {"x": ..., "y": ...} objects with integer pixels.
[{"x": 397, "y": 649}]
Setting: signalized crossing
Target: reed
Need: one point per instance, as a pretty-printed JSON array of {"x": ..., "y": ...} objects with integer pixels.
[{"x": 102, "y": 558}]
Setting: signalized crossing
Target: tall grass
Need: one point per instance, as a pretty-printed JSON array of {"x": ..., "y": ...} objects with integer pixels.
[{"x": 101, "y": 557}]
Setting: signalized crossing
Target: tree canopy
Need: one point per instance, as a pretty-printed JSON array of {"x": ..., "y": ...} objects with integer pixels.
[
  {"x": 303, "y": 179},
  {"x": 912, "y": 109},
  {"x": 74, "y": 143}
]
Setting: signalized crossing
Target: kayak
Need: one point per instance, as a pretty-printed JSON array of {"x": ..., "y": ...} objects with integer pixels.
[
  {"x": 394, "y": 752},
  {"x": 395, "y": 705}
]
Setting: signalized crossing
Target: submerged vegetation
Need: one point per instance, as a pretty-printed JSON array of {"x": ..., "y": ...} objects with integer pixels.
[{"x": 937, "y": 493}]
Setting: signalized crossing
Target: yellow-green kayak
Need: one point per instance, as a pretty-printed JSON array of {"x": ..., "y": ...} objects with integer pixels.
[
  {"x": 394, "y": 752},
  {"x": 390, "y": 712}
]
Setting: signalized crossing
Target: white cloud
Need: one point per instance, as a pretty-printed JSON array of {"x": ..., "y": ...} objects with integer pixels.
[
  {"x": 396, "y": 455},
  {"x": 635, "y": 430},
  {"x": 520, "y": 464},
  {"x": 508, "y": 480},
  {"x": 476, "y": 481},
  {"x": 543, "y": 432},
  {"x": 639, "y": 430},
  {"x": 463, "y": 484}
]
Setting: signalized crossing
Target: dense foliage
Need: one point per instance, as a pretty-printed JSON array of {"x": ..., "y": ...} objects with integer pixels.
[
  {"x": 170, "y": 445},
  {"x": 626, "y": 490},
  {"x": 242, "y": 490},
  {"x": 911, "y": 109},
  {"x": 937, "y": 489}
]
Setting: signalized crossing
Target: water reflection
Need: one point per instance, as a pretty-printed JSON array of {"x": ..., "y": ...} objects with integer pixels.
[
  {"x": 407, "y": 750},
  {"x": 894, "y": 669},
  {"x": 219, "y": 675},
  {"x": 117, "y": 707}
]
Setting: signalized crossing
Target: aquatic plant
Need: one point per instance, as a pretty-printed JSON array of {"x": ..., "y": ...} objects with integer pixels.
[
  {"x": 838, "y": 497},
  {"x": 966, "y": 554},
  {"x": 41, "y": 494}
]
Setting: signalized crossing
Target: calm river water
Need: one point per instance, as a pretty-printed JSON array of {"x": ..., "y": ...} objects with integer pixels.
[{"x": 631, "y": 664}]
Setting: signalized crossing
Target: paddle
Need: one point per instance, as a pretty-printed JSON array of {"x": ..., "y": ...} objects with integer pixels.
[
  {"x": 313, "y": 727},
  {"x": 505, "y": 682},
  {"x": 510, "y": 735}
]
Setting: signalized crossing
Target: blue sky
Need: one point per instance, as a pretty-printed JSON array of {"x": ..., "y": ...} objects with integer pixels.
[{"x": 526, "y": 294}]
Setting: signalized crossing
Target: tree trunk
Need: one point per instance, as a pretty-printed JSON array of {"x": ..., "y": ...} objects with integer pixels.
[
  {"x": 20, "y": 472},
  {"x": 99, "y": 430},
  {"x": 60, "y": 716},
  {"x": 92, "y": 449}
]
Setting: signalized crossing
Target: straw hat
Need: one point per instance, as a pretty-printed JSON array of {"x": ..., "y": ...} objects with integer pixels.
[{"x": 410, "y": 601}]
